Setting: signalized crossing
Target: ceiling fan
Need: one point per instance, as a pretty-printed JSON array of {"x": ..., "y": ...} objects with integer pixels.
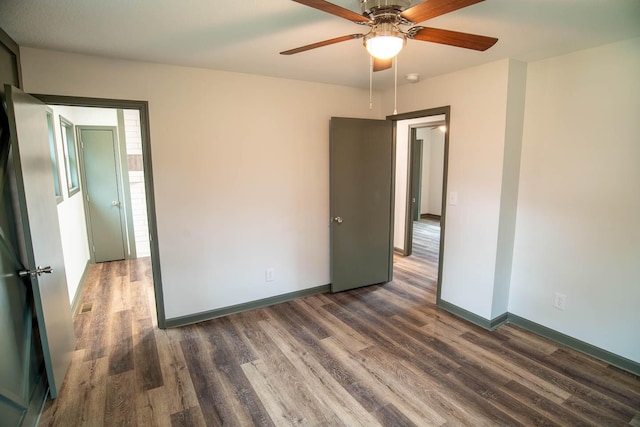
[{"x": 392, "y": 22}]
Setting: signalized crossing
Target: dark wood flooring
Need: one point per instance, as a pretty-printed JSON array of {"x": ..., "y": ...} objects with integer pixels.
[{"x": 381, "y": 355}]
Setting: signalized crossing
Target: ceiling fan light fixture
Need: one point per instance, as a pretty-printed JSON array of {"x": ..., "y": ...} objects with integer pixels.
[{"x": 384, "y": 41}]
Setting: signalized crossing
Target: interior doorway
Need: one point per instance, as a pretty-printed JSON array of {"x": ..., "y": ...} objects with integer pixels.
[
  {"x": 426, "y": 175},
  {"x": 130, "y": 122},
  {"x": 421, "y": 184}
]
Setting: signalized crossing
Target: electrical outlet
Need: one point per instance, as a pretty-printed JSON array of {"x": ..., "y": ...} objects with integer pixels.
[
  {"x": 270, "y": 275},
  {"x": 559, "y": 301}
]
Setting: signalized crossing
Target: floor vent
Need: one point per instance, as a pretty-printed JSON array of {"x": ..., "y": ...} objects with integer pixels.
[{"x": 86, "y": 308}]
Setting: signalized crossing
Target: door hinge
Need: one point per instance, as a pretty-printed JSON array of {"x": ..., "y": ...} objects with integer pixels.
[{"x": 94, "y": 249}]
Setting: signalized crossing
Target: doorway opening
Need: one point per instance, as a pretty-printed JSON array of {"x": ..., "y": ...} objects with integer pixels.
[
  {"x": 422, "y": 146},
  {"x": 115, "y": 132}
]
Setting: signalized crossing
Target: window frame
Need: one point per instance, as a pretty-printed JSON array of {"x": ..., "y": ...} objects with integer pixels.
[
  {"x": 53, "y": 152},
  {"x": 70, "y": 148}
]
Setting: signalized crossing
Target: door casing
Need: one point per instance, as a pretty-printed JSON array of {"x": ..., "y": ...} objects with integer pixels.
[
  {"x": 446, "y": 111},
  {"x": 143, "y": 109}
]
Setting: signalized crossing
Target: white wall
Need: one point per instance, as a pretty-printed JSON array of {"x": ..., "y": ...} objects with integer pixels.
[
  {"x": 425, "y": 135},
  {"x": 436, "y": 172},
  {"x": 71, "y": 216},
  {"x": 516, "y": 88},
  {"x": 478, "y": 100},
  {"x": 133, "y": 137},
  {"x": 403, "y": 137},
  {"x": 577, "y": 230},
  {"x": 241, "y": 171}
]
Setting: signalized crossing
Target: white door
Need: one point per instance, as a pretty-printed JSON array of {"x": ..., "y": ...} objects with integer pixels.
[{"x": 35, "y": 197}]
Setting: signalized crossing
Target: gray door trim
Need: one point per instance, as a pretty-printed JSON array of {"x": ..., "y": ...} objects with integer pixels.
[
  {"x": 12, "y": 46},
  {"x": 125, "y": 227},
  {"x": 143, "y": 108},
  {"x": 446, "y": 110}
]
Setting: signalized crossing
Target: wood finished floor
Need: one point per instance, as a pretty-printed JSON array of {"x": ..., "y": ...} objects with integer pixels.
[{"x": 382, "y": 355}]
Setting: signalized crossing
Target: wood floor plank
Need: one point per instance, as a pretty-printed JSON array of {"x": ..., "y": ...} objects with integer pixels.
[
  {"x": 230, "y": 372},
  {"x": 146, "y": 357},
  {"x": 381, "y": 355},
  {"x": 121, "y": 349},
  {"x": 204, "y": 380},
  {"x": 594, "y": 374},
  {"x": 98, "y": 343},
  {"x": 191, "y": 417},
  {"x": 389, "y": 415},
  {"x": 606, "y": 405},
  {"x": 392, "y": 379},
  {"x": 498, "y": 404},
  {"x": 525, "y": 341},
  {"x": 345, "y": 334},
  {"x": 391, "y": 341},
  {"x": 120, "y": 406},
  {"x": 152, "y": 408},
  {"x": 361, "y": 392},
  {"x": 555, "y": 412},
  {"x": 510, "y": 371},
  {"x": 89, "y": 379},
  {"x": 178, "y": 390},
  {"x": 340, "y": 401}
]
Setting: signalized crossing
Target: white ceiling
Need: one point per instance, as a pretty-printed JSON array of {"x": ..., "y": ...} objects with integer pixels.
[{"x": 246, "y": 35}]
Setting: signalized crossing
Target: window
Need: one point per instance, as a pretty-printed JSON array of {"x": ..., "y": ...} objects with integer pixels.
[
  {"x": 53, "y": 151},
  {"x": 70, "y": 156}
]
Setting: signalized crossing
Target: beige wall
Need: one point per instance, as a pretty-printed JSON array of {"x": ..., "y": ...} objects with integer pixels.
[
  {"x": 241, "y": 171},
  {"x": 578, "y": 227}
]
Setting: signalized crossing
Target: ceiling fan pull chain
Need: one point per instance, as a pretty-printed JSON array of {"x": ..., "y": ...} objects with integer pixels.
[
  {"x": 370, "y": 82},
  {"x": 395, "y": 85}
]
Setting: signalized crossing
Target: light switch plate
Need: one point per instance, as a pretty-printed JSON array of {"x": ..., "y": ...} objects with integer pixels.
[{"x": 453, "y": 198}]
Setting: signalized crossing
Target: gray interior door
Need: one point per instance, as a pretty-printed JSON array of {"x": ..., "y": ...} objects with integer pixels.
[
  {"x": 34, "y": 192},
  {"x": 104, "y": 200},
  {"x": 361, "y": 173}
]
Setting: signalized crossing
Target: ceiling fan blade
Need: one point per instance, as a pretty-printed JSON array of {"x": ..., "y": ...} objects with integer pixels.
[
  {"x": 382, "y": 64},
  {"x": 334, "y": 9},
  {"x": 432, "y": 8},
  {"x": 321, "y": 44},
  {"x": 454, "y": 38}
]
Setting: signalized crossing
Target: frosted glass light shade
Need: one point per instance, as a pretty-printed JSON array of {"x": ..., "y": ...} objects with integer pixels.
[
  {"x": 384, "y": 46},
  {"x": 384, "y": 41}
]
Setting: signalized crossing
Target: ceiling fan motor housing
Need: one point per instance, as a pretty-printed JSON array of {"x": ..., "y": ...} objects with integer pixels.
[{"x": 377, "y": 9}]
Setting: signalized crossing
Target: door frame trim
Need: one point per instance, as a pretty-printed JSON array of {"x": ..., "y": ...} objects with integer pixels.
[
  {"x": 408, "y": 221},
  {"x": 446, "y": 111},
  {"x": 145, "y": 130},
  {"x": 121, "y": 171},
  {"x": 14, "y": 49}
]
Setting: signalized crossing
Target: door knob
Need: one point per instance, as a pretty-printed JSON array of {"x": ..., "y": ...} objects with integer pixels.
[
  {"x": 337, "y": 219},
  {"x": 37, "y": 272},
  {"x": 115, "y": 203}
]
